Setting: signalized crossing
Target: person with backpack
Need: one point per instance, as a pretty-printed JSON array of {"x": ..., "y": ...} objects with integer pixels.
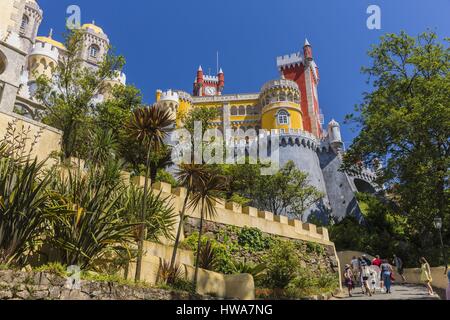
[{"x": 365, "y": 275}]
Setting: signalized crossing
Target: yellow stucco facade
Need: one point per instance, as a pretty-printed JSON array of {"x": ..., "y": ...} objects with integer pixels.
[{"x": 277, "y": 106}]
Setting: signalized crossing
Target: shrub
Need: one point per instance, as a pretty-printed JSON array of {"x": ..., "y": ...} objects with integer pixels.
[
  {"x": 254, "y": 239},
  {"x": 53, "y": 268},
  {"x": 282, "y": 264},
  {"x": 169, "y": 275},
  {"x": 223, "y": 259}
]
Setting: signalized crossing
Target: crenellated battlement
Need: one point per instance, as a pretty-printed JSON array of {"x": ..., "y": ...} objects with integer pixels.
[
  {"x": 45, "y": 49},
  {"x": 231, "y": 213},
  {"x": 289, "y": 60},
  {"x": 208, "y": 78},
  {"x": 184, "y": 96},
  {"x": 169, "y": 95},
  {"x": 280, "y": 84}
]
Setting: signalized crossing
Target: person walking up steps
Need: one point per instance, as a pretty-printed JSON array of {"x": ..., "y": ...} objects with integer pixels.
[
  {"x": 356, "y": 269},
  {"x": 425, "y": 275},
  {"x": 348, "y": 278},
  {"x": 386, "y": 273},
  {"x": 365, "y": 275}
]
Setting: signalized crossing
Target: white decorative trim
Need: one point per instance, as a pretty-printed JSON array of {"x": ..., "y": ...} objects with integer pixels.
[
  {"x": 286, "y": 61},
  {"x": 280, "y": 83},
  {"x": 227, "y": 98}
]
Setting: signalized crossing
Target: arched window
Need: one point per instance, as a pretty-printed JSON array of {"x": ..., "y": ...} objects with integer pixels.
[
  {"x": 24, "y": 23},
  {"x": 94, "y": 51},
  {"x": 234, "y": 111},
  {"x": 242, "y": 110},
  {"x": 250, "y": 110},
  {"x": 283, "y": 117}
]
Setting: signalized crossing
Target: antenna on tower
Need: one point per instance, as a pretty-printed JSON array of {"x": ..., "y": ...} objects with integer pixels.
[{"x": 217, "y": 62}]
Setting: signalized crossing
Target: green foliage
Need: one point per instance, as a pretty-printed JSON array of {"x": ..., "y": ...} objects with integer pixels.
[
  {"x": 257, "y": 271},
  {"x": 312, "y": 247},
  {"x": 205, "y": 115},
  {"x": 404, "y": 123},
  {"x": 287, "y": 191},
  {"x": 164, "y": 176},
  {"x": 68, "y": 97},
  {"x": 223, "y": 259},
  {"x": 159, "y": 215},
  {"x": 207, "y": 257},
  {"x": 53, "y": 268},
  {"x": 169, "y": 275},
  {"x": 94, "y": 224},
  {"x": 254, "y": 240},
  {"x": 25, "y": 205},
  {"x": 282, "y": 263}
]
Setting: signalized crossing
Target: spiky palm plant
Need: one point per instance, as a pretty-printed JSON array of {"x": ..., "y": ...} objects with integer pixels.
[
  {"x": 159, "y": 216},
  {"x": 95, "y": 223},
  {"x": 149, "y": 126},
  {"x": 188, "y": 176},
  {"x": 205, "y": 197},
  {"x": 24, "y": 207}
]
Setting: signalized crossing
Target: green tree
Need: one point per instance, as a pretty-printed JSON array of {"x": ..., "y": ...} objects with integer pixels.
[
  {"x": 205, "y": 115},
  {"x": 288, "y": 191},
  {"x": 405, "y": 123},
  {"x": 68, "y": 97}
]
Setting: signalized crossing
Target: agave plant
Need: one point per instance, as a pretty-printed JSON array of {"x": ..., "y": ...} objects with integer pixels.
[
  {"x": 24, "y": 207},
  {"x": 256, "y": 270},
  {"x": 149, "y": 126},
  {"x": 95, "y": 224}
]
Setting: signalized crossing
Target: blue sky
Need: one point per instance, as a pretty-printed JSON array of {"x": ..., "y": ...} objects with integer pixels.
[{"x": 165, "y": 41}]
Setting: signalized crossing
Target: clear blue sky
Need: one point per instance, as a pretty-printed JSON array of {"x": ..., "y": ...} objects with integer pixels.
[{"x": 165, "y": 41}]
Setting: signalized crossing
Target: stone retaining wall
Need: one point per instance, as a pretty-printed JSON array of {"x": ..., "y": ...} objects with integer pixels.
[{"x": 17, "y": 285}]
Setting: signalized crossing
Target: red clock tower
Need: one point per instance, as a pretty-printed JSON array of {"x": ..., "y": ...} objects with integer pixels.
[{"x": 206, "y": 85}]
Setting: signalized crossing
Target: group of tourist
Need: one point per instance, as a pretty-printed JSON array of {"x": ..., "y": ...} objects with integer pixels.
[
  {"x": 371, "y": 275},
  {"x": 378, "y": 273}
]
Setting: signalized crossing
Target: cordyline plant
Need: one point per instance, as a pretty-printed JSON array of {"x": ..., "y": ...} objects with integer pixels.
[
  {"x": 25, "y": 205},
  {"x": 205, "y": 198},
  {"x": 95, "y": 224},
  {"x": 149, "y": 126}
]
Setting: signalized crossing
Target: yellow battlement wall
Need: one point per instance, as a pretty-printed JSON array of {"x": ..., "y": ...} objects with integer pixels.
[
  {"x": 49, "y": 139},
  {"x": 230, "y": 213}
]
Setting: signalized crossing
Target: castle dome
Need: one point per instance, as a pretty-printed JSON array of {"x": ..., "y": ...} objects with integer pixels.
[
  {"x": 93, "y": 27},
  {"x": 51, "y": 41}
]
